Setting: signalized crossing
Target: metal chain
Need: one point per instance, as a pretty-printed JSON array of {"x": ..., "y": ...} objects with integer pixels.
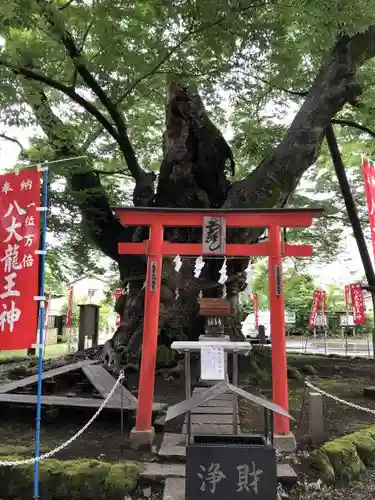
[
  {"x": 338, "y": 400},
  {"x": 67, "y": 443}
]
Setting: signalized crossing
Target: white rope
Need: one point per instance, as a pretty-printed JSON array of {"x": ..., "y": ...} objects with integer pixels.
[
  {"x": 338, "y": 400},
  {"x": 67, "y": 443}
]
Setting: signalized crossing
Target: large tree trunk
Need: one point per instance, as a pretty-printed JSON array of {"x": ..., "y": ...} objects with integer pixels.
[{"x": 192, "y": 174}]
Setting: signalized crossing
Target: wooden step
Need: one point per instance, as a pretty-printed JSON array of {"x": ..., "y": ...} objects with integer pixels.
[{"x": 217, "y": 419}]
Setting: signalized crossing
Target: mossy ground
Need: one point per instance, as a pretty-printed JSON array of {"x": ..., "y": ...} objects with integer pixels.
[
  {"x": 71, "y": 479},
  {"x": 74, "y": 475},
  {"x": 345, "y": 458}
]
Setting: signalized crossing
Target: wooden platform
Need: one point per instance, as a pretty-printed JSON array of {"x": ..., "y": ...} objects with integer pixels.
[
  {"x": 30, "y": 400},
  {"x": 33, "y": 379},
  {"x": 95, "y": 373},
  {"x": 103, "y": 382}
]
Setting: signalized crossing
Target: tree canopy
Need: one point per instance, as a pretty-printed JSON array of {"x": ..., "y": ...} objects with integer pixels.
[
  {"x": 102, "y": 66},
  {"x": 298, "y": 290},
  {"x": 130, "y": 85}
]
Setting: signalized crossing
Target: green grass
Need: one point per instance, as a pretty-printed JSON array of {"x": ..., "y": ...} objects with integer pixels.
[
  {"x": 52, "y": 351},
  {"x": 84, "y": 479}
]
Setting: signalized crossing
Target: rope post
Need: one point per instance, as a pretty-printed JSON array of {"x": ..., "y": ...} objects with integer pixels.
[
  {"x": 339, "y": 400},
  {"x": 316, "y": 418},
  {"x": 122, "y": 411}
]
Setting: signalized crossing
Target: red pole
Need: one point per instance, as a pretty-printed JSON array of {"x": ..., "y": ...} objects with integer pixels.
[
  {"x": 279, "y": 362},
  {"x": 150, "y": 329}
]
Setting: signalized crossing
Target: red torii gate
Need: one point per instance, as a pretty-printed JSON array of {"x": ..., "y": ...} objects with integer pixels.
[{"x": 155, "y": 248}]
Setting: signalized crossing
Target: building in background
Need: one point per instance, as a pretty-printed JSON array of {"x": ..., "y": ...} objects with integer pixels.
[
  {"x": 367, "y": 300},
  {"x": 89, "y": 290},
  {"x": 86, "y": 290}
]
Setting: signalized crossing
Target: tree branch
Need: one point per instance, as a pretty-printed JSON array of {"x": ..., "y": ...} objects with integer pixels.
[
  {"x": 113, "y": 172},
  {"x": 144, "y": 182},
  {"x": 66, "y": 5},
  {"x": 297, "y": 93},
  {"x": 191, "y": 32},
  {"x": 100, "y": 224},
  {"x": 70, "y": 92},
  {"x": 76, "y": 55},
  {"x": 12, "y": 139},
  {"x": 272, "y": 182},
  {"x": 353, "y": 124},
  {"x": 82, "y": 44}
]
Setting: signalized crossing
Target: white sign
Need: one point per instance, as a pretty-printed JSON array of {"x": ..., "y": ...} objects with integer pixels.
[
  {"x": 344, "y": 320},
  {"x": 212, "y": 362},
  {"x": 321, "y": 320},
  {"x": 290, "y": 317},
  {"x": 214, "y": 235}
]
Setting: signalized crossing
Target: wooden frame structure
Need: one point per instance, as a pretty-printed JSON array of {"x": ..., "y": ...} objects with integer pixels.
[
  {"x": 96, "y": 375},
  {"x": 155, "y": 248}
]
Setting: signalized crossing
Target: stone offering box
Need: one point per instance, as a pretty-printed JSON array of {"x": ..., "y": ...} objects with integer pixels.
[{"x": 230, "y": 467}]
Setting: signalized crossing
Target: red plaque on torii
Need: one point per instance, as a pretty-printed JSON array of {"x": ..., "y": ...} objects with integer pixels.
[{"x": 214, "y": 224}]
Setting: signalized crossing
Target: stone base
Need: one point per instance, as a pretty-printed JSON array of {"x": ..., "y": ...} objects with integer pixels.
[
  {"x": 285, "y": 443},
  {"x": 142, "y": 440},
  {"x": 369, "y": 392},
  {"x": 175, "y": 479}
]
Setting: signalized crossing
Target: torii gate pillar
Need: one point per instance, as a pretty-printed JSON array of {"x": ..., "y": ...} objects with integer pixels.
[{"x": 158, "y": 218}]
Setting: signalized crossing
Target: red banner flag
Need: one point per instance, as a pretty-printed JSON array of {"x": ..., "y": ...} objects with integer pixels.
[
  {"x": 368, "y": 171},
  {"x": 358, "y": 303},
  {"x": 19, "y": 263},
  {"x": 256, "y": 311},
  {"x": 314, "y": 308},
  {"x": 323, "y": 296},
  {"x": 116, "y": 295},
  {"x": 347, "y": 296},
  {"x": 70, "y": 308}
]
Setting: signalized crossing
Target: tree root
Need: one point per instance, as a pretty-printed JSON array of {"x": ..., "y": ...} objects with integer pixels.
[{"x": 171, "y": 373}]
